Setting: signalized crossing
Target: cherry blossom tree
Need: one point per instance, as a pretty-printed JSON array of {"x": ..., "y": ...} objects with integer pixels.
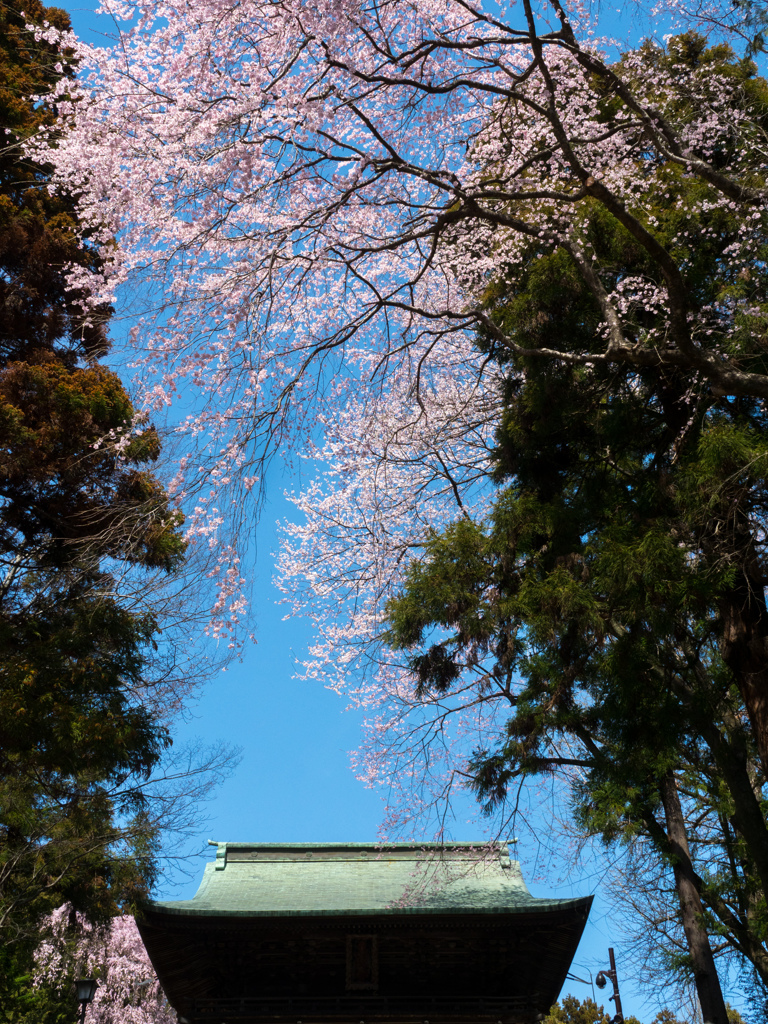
[
  {"x": 312, "y": 203},
  {"x": 128, "y": 991},
  {"x": 311, "y": 191}
]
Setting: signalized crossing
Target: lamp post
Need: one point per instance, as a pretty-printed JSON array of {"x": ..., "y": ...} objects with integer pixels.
[
  {"x": 86, "y": 990},
  {"x": 601, "y": 981}
]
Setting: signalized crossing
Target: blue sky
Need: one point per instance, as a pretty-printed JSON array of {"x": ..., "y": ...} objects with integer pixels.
[{"x": 294, "y": 783}]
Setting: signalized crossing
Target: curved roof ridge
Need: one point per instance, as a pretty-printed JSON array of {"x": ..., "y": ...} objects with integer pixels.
[
  {"x": 276, "y": 879},
  {"x": 410, "y": 845}
]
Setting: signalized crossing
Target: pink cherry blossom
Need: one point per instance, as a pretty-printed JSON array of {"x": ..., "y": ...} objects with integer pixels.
[
  {"x": 128, "y": 991},
  {"x": 310, "y": 200}
]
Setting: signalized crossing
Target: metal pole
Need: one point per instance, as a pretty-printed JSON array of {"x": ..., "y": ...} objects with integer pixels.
[{"x": 619, "y": 1018}]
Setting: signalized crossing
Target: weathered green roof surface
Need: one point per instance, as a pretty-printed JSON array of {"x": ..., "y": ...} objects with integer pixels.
[{"x": 250, "y": 879}]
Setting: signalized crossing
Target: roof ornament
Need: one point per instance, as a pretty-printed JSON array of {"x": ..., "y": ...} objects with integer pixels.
[{"x": 221, "y": 854}]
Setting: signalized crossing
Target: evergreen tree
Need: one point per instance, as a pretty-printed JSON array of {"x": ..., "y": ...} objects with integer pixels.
[
  {"x": 38, "y": 229},
  {"x": 577, "y": 1011},
  {"x": 81, "y": 517},
  {"x": 615, "y": 595}
]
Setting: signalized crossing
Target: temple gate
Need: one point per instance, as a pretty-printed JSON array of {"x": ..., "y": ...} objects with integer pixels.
[{"x": 362, "y": 934}]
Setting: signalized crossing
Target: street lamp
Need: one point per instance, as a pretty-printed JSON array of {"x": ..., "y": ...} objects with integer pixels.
[
  {"x": 602, "y": 980},
  {"x": 86, "y": 990}
]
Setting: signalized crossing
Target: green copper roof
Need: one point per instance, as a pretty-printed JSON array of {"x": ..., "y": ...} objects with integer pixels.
[{"x": 249, "y": 879}]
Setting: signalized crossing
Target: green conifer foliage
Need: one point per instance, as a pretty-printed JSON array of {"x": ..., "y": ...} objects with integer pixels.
[
  {"x": 38, "y": 237},
  {"x": 81, "y": 517},
  {"x": 615, "y": 595}
]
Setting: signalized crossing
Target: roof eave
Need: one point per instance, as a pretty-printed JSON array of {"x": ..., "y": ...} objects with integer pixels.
[{"x": 581, "y": 903}]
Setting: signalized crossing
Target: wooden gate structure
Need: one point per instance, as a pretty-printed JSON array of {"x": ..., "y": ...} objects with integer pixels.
[{"x": 362, "y": 934}]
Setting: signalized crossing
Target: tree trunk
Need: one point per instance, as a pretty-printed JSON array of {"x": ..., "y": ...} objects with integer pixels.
[
  {"x": 745, "y": 652},
  {"x": 703, "y": 962},
  {"x": 730, "y": 755}
]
